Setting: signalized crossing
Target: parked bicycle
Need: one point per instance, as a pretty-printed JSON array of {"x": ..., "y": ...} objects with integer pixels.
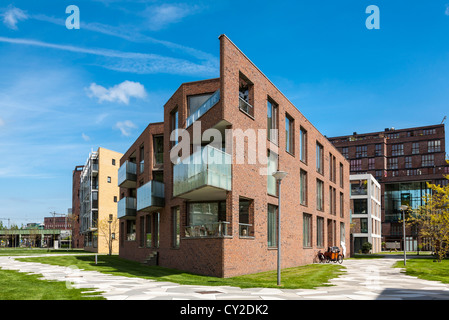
[{"x": 332, "y": 254}]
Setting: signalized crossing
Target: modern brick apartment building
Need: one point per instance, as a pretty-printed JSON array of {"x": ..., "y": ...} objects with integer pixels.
[
  {"x": 99, "y": 195},
  {"x": 212, "y": 207},
  {"x": 77, "y": 238},
  {"x": 402, "y": 161}
]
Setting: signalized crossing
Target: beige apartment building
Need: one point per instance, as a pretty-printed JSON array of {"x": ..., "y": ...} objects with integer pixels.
[{"x": 99, "y": 195}]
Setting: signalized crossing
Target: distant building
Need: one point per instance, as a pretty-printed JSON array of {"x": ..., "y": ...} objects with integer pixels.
[
  {"x": 403, "y": 161},
  {"x": 365, "y": 212},
  {"x": 62, "y": 223},
  {"x": 99, "y": 194},
  {"x": 77, "y": 238}
]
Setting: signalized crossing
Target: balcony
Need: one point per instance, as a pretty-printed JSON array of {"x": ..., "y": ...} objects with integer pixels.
[
  {"x": 151, "y": 196},
  {"x": 127, "y": 175},
  {"x": 126, "y": 208},
  {"x": 208, "y": 230},
  {"x": 205, "y": 175},
  {"x": 203, "y": 108}
]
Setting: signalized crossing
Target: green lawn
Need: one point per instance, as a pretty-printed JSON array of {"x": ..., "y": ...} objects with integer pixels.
[
  {"x": 426, "y": 268},
  {"x": 303, "y": 277},
  {"x": 21, "y": 286}
]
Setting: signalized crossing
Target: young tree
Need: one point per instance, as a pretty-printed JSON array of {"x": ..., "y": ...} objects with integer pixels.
[{"x": 433, "y": 218}]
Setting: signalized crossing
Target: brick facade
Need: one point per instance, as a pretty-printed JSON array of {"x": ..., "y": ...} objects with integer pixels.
[{"x": 234, "y": 252}]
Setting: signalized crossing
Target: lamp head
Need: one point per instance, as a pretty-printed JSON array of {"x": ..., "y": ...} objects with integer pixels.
[{"x": 279, "y": 175}]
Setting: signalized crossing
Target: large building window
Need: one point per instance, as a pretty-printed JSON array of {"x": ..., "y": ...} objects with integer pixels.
[
  {"x": 272, "y": 226},
  {"x": 289, "y": 134},
  {"x": 392, "y": 163},
  {"x": 307, "y": 230},
  {"x": 397, "y": 150},
  {"x": 427, "y": 160},
  {"x": 320, "y": 232},
  {"x": 174, "y": 126},
  {"x": 361, "y": 151},
  {"x": 356, "y": 165},
  {"x": 433, "y": 146},
  {"x": 378, "y": 150},
  {"x": 272, "y": 122},
  {"x": 272, "y": 168},
  {"x": 303, "y": 145},
  {"x": 319, "y": 158},
  {"x": 176, "y": 224},
  {"x": 415, "y": 148},
  {"x": 319, "y": 195},
  {"x": 158, "y": 149},
  {"x": 246, "y": 217},
  {"x": 303, "y": 187}
]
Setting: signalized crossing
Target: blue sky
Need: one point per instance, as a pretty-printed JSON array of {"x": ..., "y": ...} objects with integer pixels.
[{"x": 65, "y": 92}]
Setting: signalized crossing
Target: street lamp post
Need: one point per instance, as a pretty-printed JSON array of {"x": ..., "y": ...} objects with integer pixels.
[
  {"x": 403, "y": 209},
  {"x": 279, "y": 175}
]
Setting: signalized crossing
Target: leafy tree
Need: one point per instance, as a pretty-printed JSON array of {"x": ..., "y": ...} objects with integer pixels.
[{"x": 433, "y": 218}]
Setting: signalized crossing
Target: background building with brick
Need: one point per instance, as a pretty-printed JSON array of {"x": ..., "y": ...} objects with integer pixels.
[
  {"x": 403, "y": 161},
  {"x": 77, "y": 238},
  {"x": 220, "y": 218}
]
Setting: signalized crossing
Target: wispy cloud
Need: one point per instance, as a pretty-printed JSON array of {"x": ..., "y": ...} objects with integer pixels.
[
  {"x": 12, "y": 16},
  {"x": 161, "y": 16},
  {"x": 85, "y": 137},
  {"x": 119, "y": 93},
  {"x": 447, "y": 9},
  {"x": 2, "y": 122},
  {"x": 125, "y": 127},
  {"x": 134, "y": 62}
]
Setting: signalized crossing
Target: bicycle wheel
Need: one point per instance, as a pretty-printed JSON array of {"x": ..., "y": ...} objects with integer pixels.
[{"x": 340, "y": 259}]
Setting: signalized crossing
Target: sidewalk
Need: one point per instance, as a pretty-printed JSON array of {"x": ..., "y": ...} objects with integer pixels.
[{"x": 370, "y": 279}]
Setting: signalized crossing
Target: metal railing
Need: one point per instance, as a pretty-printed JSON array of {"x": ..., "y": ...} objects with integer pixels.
[{"x": 246, "y": 107}]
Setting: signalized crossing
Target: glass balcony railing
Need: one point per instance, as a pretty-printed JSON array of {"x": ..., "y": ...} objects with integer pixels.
[
  {"x": 203, "y": 109},
  {"x": 150, "y": 196},
  {"x": 211, "y": 230},
  {"x": 209, "y": 167},
  {"x": 126, "y": 208},
  {"x": 127, "y": 175}
]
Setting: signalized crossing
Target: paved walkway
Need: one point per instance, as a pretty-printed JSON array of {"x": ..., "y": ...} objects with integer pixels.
[{"x": 369, "y": 279}]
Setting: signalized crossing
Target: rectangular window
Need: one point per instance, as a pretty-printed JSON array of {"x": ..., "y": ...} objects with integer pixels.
[
  {"x": 341, "y": 175},
  {"x": 272, "y": 122},
  {"x": 113, "y": 162},
  {"x": 303, "y": 187},
  {"x": 332, "y": 168},
  {"x": 196, "y": 101},
  {"x": 415, "y": 148},
  {"x": 246, "y": 217},
  {"x": 408, "y": 162},
  {"x": 433, "y": 146},
  {"x": 360, "y": 206},
  {"x": 319, "y": 158},
  {"x": 176, "y": 218},
  {"x": 342, "y": 205},
  {"x": 272, "y": 226},
  {"x": 142, "y": 231},
  {"x": 320, "y": 232},
  {"x": 307, "y": 230},
  {"x": 303, "y": 145},
  {"x": 148, "y": 231},
  {"x": 319, "y": 195},
  {"x": 392, "y": 163},
  {"x": 174, "y": 126},
  {"x": 361, "y": 151},
  {"x": 158, "y": 149},
  {"x": 289, "y": 134},
  {"x": 345, "y": 152},
  {"x": 427, "y": 160},
  {"x": 246, "y": 95},
  {"x": 272, "y": 168},
  {"x": 397, "y": 150},
  {"x": 371, "y": 163},
  {"x": 378, "y": 150},
  {"x": 356, "y": 165},
  {"x": 130, "y": 230}
]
